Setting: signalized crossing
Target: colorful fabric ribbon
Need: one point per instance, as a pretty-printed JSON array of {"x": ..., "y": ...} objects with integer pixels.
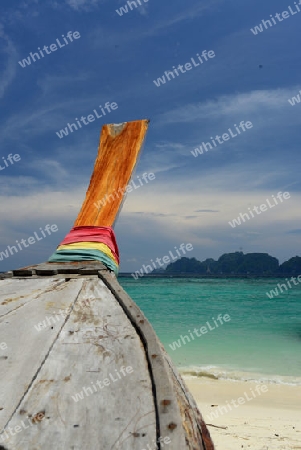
[{"x": 89, "y": 244}]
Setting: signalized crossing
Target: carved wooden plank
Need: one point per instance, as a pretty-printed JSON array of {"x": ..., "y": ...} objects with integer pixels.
[
  {"x": 198, "y": 435},
  {"x": 47, "y": 269},
  {"x": 26, "y": 347},
  {"x": 118, "y": 152},
  {"x": 15, "y": 293},
  {"x": 184, "y": 434},
  {"x": 96, "y": 341}
]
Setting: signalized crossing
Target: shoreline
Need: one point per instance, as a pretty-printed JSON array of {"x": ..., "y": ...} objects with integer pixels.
[
  {"x": 237, "y": 376},
  {"x": 268, "y": 419},
  {"x": 205, "y": 276}
]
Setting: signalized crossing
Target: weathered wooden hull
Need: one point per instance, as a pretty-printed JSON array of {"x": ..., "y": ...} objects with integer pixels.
[{"x": 88, "y": 349}]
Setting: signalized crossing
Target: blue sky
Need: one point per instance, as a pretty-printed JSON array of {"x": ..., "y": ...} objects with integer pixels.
[{"x": 116, "y": 59}]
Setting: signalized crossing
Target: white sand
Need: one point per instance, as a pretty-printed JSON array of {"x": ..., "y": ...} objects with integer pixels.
[{"x": 269, "y": 421}]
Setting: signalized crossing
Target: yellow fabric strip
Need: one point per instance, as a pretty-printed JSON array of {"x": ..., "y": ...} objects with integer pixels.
[{"x": 89, "y": 245}]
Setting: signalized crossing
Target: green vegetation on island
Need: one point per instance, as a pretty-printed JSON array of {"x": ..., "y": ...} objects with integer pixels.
[{"x": 234, "y": 264}]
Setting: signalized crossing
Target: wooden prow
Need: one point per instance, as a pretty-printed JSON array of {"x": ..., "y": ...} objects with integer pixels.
[
  {"x": 118, "y": 152},
  {"x": 52, "y": 361}
]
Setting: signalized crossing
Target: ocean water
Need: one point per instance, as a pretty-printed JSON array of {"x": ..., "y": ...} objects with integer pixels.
[{"x": 261, "y": 341}]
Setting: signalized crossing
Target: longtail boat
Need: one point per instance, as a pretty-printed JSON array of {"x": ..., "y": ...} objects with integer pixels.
[{"x": 82, "y": 367}]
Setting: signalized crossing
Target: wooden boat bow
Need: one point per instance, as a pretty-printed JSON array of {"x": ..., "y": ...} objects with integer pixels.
[{"x": 83, "y": 367}]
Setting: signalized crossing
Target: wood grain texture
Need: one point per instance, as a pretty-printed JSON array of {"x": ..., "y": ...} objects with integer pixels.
[
  {"x": 71, "y": 267},
  {"x": 197, "y": 433},
  {"x": 118, "y": 152},
  {"x": 102, "y": 330},
  {"x": 96, "y": 340},
  {"x": 178, "y": 415},
  {"x": 26, "y": 347},
  {"x": 16, "y": 293}
]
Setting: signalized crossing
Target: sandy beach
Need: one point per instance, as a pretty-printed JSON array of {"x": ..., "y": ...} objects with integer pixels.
[{"x": 251, "y": 416}]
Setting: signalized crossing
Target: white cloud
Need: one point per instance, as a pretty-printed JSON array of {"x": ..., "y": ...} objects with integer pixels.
[
  {"x": 255, "y": 102},
  {"x": 50, "y": 116},
  {"x": 165, "y": 213},
  {"x": 22, "y": 215},
  {"x": 170, "y": 204}
]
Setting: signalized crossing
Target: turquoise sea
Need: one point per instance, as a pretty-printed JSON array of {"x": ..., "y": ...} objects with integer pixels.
[{"x": 262, "y": 341}]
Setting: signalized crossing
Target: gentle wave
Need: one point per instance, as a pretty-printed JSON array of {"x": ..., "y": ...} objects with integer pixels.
[{"x": 219, "y": 373}]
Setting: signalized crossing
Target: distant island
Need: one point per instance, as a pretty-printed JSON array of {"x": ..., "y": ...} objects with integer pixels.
[{"x": 235, "y": 264}]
